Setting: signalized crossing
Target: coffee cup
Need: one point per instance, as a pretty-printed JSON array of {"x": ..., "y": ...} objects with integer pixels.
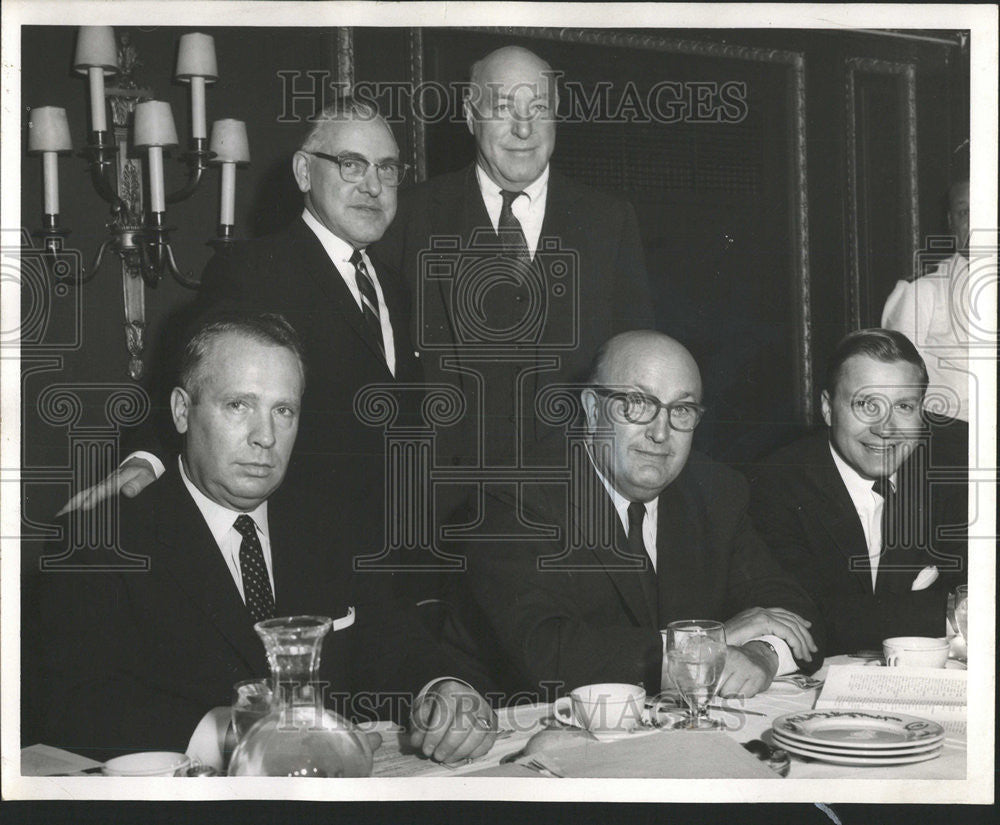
[
  {"x": 149, "y": 763},
  {"x": 915, "y": 651},
  {"x": 605, "y": 708}
]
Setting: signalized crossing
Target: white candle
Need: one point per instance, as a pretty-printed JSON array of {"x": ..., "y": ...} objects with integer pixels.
[
  {"x": 50, "y": 171},
  {"x": 98, "y": 120},
  {"x": 156, "y": 200},
  {"x": 227, "y": 208},
  {"x": 198, "y": 127}
]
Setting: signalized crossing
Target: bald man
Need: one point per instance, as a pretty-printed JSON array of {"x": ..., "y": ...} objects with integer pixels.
[
  {"x": 645, "y": 533},
  {"x": 578, "y": 276}
]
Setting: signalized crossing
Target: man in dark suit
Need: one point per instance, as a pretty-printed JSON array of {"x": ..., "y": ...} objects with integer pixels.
[
  {"x": 582, "y": 573},
  {"x": 134, "y": 660},
  {"x": 351, "y": 310},
  {"x": 518, "y": 273},
  {"x": 850, "y": 512}
]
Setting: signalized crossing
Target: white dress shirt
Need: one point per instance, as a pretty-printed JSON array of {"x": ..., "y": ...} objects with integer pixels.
[
  {"x": 340, "y": 252},
  {"x": 786, "y": 661},
  {"x": 529, "y": 211},
  {"x": 868, "y": 505},
  {"x": 220, "y": 522}
]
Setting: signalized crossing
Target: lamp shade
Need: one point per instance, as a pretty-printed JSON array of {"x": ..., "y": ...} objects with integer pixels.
[
  {"x": 48, "y": 130},
  {"x": 196, "y": 57},
  {"x": 154, "y": 124},
  {"x": 229, "y": 141},
  {"x": 95, "y": 47}
]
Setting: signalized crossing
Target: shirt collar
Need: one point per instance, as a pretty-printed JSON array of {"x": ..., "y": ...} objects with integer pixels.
[
  {"x": 491, "y": 189},
  {"x": 220, "y": 519},
  {"x": 857, "y": 485},
  {"x": 621, "y": 503},
  {"x": 337, "y": 248}
]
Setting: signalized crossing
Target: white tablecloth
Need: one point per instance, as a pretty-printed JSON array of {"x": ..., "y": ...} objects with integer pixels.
[{"x": 520, "y": 723}]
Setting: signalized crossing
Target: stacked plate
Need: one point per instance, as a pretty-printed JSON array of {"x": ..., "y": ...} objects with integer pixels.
[{"x": 858, "y": 737}]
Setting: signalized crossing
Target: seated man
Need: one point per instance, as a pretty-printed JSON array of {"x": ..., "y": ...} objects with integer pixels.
[
  {"x": 134, "y": 660},
  {"x": 849, "y": 511},
  {"x": 581, "y": 574}
]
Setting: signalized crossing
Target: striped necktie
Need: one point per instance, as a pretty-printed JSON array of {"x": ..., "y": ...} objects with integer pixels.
[
  {"x": 369, "y": 299},
  {"x": 509, "y": 228}
]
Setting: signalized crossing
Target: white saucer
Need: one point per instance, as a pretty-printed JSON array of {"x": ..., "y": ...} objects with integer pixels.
[
  {"x": 873, "y": 761},
  {"x": 835, "y": 750}
]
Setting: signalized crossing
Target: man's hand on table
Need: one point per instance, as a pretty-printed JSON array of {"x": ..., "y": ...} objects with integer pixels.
[
  {"x": 452, "y": 722},
  {"x": 772, "y": 621},
  {"x": 130, "y": 479},
  {"x": 749, "y": 670}
]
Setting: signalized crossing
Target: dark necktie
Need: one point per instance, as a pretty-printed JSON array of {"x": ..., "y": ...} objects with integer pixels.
[
  {"x": 509, "y": 228},
  {"x": 256, "y": 584},
  {"x": 890, "y": 521},
  {"x": 369, "y": 299},
  {"x": 637, "y": 548}
]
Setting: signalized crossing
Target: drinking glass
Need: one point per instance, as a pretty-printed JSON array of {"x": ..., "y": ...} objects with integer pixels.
[
  {"x": 251, "y": 701},
  {"x": 694, "y": 656},
  {"x": 962, "y": 611}
]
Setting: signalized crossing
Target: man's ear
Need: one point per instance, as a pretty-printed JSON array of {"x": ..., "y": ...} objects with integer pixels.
[
  {"x": 468, "y": 113},
  {"x": 300, "y": 169},
  {"x": 824, "y": 401},
  {"x": 590, "y": 403},
  {"x": 180, "y": 405}
]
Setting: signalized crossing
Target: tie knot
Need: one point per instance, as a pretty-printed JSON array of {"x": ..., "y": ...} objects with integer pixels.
[
  {"x": 509, "y": 197},
  {"x": 636, "y": 513},
  {"x": 883, "y": 487},
  {"x": 356, "y": 258},
  {"x": 244, "y": 526}
]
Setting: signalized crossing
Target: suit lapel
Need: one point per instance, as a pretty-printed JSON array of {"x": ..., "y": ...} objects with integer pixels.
[
  {"x": 835, "y": 512},
  {"x": 626, "y": 573},
  {"x": 192, "y": 558},
  {"x": 680, "y": 549},
  {"x": 327, "y": 281}
]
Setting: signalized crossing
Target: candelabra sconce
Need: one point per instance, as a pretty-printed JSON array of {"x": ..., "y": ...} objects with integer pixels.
[{"x": 138, "y": 234}]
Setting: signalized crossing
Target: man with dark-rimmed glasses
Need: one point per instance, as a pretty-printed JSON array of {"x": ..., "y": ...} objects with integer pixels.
[
  {"x": 352, "y": 314},
  {"x": 580, "y": 577}
]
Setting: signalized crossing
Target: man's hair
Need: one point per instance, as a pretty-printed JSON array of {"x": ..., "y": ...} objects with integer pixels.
[
  {"x": 342, "y": 109},
  {"x": 264, "y": 328},
  {"x": 884, "y": 345},
  {"x": 596, "y": 366}
]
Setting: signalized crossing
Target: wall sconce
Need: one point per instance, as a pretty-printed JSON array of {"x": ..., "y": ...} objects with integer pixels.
[{"x": 137, "y": 232}]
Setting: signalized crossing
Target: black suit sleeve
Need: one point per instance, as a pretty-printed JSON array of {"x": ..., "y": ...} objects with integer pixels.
[
  {"x": 631, "y": 292},
  {"x": 547, "y": 626},
  {"x": 854, "y": 621},
  {"x": 99, "y": 699}
]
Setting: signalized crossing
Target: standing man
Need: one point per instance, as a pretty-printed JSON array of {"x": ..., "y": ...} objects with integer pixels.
[
  {"x": 933, "y": 312},
  {"x": 351, "y": 311},
  {"x": 519, "y": 273},
  {"x": 132, "y": 661},
  {"x": 581, "y": 574},
  {"x": 850, "y": 512}
]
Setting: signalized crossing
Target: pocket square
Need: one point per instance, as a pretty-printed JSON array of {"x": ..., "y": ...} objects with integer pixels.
[{"x": 925, "y": 578}]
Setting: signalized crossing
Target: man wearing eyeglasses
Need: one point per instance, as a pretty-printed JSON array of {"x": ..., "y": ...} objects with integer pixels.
[
  {"x": 351, "y": 311},
  {"x": 352, "y": 314},
  {"x": 584, "y": 571}
]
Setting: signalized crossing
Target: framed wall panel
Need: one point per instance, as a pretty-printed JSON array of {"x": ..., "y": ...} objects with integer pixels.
[{"x": 883, "y": 208}]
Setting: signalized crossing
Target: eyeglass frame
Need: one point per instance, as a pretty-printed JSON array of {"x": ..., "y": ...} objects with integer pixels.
[
  {"x": 620, "y": 395},
  {"x": 339, "y": 160}
]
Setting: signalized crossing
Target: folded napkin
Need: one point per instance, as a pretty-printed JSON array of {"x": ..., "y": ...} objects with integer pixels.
[{"x": 663, "y": 754}]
